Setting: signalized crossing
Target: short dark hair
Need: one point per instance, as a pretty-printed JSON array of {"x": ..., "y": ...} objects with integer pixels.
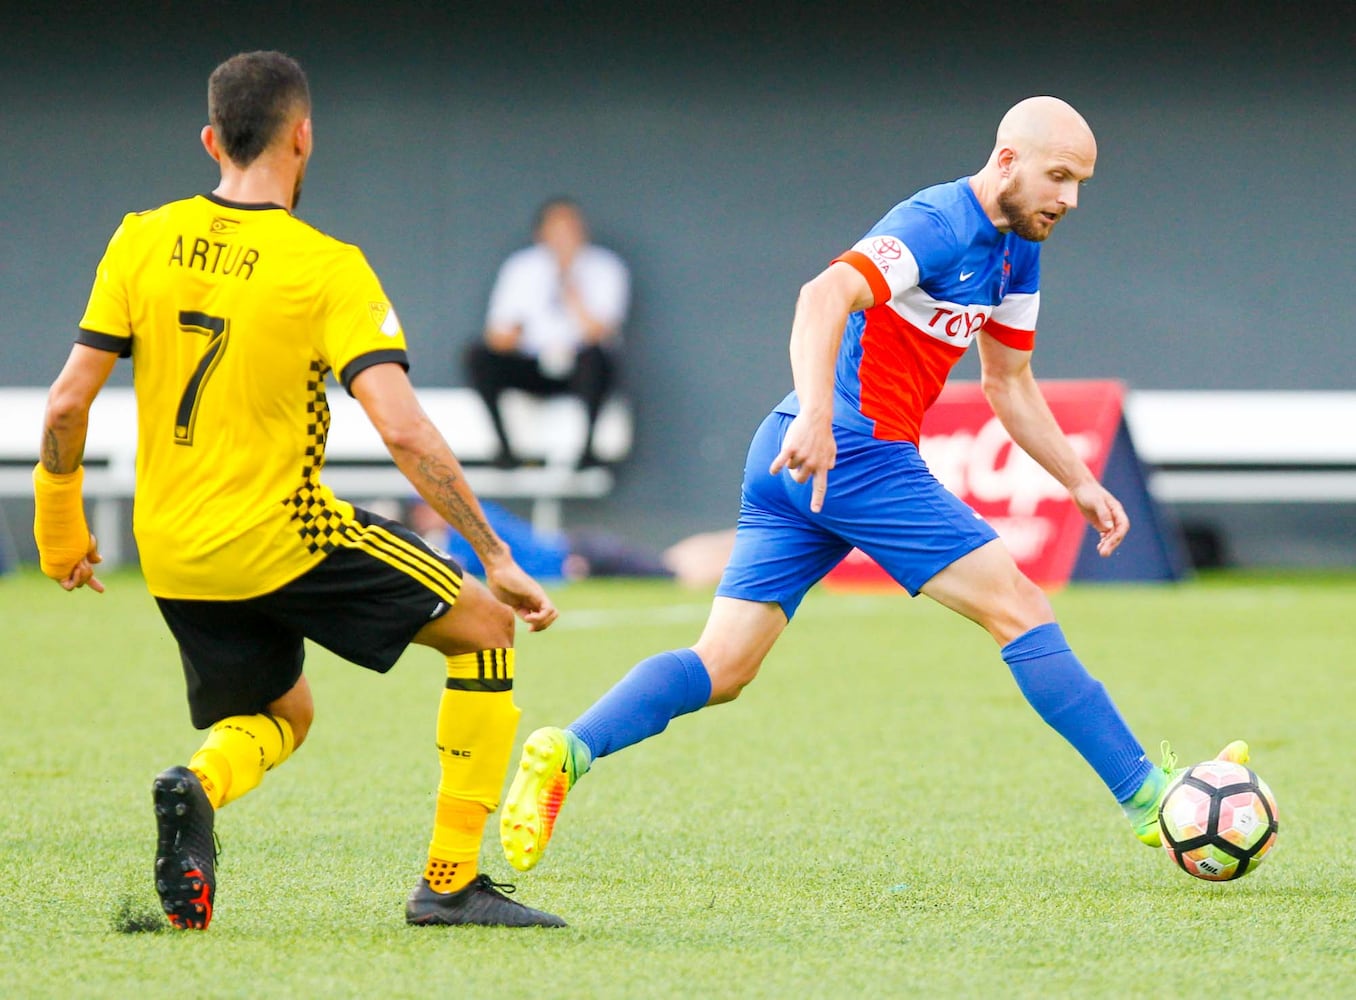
[
  {"x": 556, "y": 201},
  {"x": 249, "y": 98}
]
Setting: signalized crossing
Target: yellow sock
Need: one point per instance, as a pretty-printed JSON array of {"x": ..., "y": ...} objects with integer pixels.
[
  {"x": 455, "y": 849},
  {"x": 477, "y": 720},
  {"x": 237, "y": 752}
]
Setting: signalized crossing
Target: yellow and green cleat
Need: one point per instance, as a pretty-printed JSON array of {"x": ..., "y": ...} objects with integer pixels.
[
  {"x": 1142, "y": 807},
  {"x": 552, "y": 761}
]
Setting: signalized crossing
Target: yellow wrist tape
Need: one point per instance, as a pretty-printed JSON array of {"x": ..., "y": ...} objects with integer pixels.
[{"x": 59, "y": 525}]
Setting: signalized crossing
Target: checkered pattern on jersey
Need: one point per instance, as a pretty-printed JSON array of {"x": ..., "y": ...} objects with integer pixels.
[{"x": 317, "y": 523}]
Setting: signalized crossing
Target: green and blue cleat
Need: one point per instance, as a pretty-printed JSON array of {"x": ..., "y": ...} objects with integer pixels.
[{"x": 1142, "y": 807}]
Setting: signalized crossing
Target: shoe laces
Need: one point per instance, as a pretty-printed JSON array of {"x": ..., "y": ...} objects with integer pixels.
[
  {"x": 487, "y": 883},
  {"x": 1169, "y": 757}
]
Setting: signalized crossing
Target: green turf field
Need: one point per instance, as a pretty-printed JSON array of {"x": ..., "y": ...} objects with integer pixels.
[{"x": 880, "y": 814}]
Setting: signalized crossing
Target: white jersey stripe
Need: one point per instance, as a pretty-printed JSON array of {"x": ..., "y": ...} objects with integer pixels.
[
  {"x": 893, "y": 259},
  {"x": 1018, "y": 310}
]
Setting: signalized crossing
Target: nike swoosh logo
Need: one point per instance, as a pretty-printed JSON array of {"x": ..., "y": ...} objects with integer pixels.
[{"x": 966, "y": 275}]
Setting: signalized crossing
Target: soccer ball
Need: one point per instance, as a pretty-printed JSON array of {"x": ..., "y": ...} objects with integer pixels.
[{"x": 1218, "y": 820}]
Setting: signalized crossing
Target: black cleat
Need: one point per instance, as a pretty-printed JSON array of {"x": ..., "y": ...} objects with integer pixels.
[
  {"x": 185, "y": 850},
  {"x": 480, "y": 904}
]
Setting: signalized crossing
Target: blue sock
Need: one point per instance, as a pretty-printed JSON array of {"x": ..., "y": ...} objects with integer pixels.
[
  {"x": 641, "y": 704},
  {"x": 1075, "y": 705}
]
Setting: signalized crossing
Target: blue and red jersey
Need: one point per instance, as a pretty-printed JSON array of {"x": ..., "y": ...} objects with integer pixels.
[{"x": 940, "y": 272}]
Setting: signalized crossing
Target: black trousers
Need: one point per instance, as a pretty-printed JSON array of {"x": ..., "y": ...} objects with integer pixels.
[{"x": 492, "y": 372}]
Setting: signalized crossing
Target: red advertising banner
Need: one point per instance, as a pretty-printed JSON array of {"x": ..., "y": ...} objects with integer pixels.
[{"x": 969, "y": 451}]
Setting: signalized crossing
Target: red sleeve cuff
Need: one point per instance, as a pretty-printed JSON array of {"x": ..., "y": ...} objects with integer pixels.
[
  {"x": 861, "y": 263},
  {"x": 1010, "y": 336}
]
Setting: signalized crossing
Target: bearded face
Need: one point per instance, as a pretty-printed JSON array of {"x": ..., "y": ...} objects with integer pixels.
[{"x": 1025, "y": 213}]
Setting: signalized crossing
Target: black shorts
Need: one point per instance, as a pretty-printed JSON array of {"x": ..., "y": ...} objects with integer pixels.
[{"x": 365, "y": 601}]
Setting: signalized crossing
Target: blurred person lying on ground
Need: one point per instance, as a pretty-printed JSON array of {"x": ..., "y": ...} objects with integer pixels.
[{"x": 694, "y": 561}]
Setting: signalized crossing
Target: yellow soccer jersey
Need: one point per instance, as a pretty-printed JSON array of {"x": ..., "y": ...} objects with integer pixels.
[{"x": 233, "y": 315}]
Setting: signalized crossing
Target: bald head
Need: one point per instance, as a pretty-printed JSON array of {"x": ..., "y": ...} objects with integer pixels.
[
  {"x": 1043, "y": 152},
  {"x": 1039, "y": 124}
]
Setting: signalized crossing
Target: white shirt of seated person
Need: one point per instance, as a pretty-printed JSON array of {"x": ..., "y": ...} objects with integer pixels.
[{"x": 529, "y": 294}]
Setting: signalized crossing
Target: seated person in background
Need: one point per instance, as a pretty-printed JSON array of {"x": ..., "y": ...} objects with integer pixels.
[{"x": 553, "y": 322}]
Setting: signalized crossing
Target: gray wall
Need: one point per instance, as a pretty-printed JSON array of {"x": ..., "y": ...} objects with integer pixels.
[{"x": 727, "y": 153}]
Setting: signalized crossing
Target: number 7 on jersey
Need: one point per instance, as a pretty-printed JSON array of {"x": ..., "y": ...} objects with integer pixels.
[{"x": 218, "y": 331}]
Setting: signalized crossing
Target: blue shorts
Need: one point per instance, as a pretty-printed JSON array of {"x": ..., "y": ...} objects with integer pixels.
[{"x": 882, "y": 499}]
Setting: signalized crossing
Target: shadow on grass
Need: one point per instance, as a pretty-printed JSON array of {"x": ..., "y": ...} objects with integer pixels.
[{"x": 132, "y": 916}]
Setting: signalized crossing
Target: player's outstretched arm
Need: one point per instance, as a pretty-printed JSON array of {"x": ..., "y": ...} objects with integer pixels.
[
  {"x": 423, "y": 455},
  {"x": 1011, "y": 390},
  {"x": 808, "y": 450},
  {"x": 67, "y": 552}
]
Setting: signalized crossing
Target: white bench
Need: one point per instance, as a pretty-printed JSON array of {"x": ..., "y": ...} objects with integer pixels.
[
  {"x": 1200, "y": 446},
  {"x": 1246, "y": 447},
  {"x": 357, "y": 465}
]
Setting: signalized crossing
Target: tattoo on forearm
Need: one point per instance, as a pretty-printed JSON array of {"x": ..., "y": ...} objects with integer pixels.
[
  {"x": 51, "y": 454},
  {"x": 441, "y": 482}
]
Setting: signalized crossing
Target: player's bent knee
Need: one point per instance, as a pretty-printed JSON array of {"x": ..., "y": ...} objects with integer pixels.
[
  {"x": 727, "y": 692},
  {"x": 497, "y": 624},
  {"x": 1025, "y": 607},
  {"x": 729, "y": 677},
  {"x": 736, "y": 639},
  {"x": 298, "y": 708},
  {"x": 477, "y": 621},
  {"x": 301, "y": 725},
  {"x": 1032, "y": 606}
]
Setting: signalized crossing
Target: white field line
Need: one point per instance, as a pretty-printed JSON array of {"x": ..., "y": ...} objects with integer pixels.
[
  {"x": 895, "y": 604},
  {"x": 677, "y": 614}
]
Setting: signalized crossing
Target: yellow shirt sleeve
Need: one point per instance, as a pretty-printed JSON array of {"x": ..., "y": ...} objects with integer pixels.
[
  {"x": 107, "y": 322},
  {"x": 358, "y": 326}
]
